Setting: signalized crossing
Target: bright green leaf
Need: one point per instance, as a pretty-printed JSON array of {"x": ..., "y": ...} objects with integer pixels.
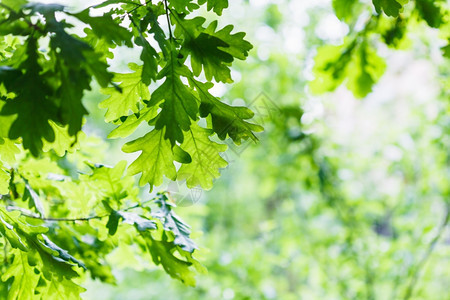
[
  {"x": 206, "y": 160},
  {"x": 133, "y": 92},
  {"x": 155, "y": 160},
  {"x": 216, "y": 5}
]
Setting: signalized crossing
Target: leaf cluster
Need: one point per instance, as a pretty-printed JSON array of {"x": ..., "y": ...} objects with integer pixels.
[
  {"x": 355, "y": 62},
  {"x": 55, "y": 227},
  {"x": 62, "y": 216}
]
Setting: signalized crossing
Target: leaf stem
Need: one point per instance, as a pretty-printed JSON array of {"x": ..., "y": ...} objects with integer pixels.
[{"x": 168, "y": 20}]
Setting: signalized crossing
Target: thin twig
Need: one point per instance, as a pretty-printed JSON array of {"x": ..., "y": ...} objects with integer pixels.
[
  {"x": 29, "y": 214},
  {"x": 168, "y": 20},
  {"x": 140, "y": 5}
]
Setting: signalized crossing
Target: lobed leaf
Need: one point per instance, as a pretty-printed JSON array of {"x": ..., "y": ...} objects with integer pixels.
[
  {"x": 155, "y": 160},
  {"x": 120, "y": 103},
  {"x": 206, "y": 160},
  {"x": 209, "y": 49},
  {"x": 174, "y": 224}
]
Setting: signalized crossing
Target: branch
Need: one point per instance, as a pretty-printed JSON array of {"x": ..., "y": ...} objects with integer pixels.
[
  {"x": 32, "y": 215},
  {"x": 139, "y": 5},
  {"x": 7, "y": 8},
  {"x": 168, "y": 20}
]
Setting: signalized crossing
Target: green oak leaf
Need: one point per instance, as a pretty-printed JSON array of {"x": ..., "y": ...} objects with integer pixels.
[
  {"x": 119, "y": 104},
  {"x": 63, "y": 142},
  {"x": 155, "y": 161},
  {"x": 395, "y": 31},
  {"x": 344, "y": 9},
  {"x": 226, "y": 120},
  {"x": 178, "y": 103},
  {"x": 140, "y": 222},
  {"x": 446, "y": 50},
  {"x": 209, "y": 49},
  {"x": 216, "y": 5},
  {"x": 106, "y": 27},
  {"x": 30, "y": 196},
  {"x": 7, "y": 231},
  {"x": 97, "y": 67},
  {"x": 183, "y": 6},
  {"x": 61, "y": 254},
  {"x": 150, "y": 58},
  {"x": 180, "y": 155},
  {"x": 111, "y": 183},
  {"x": 33, "y": 237},
  {"x": 173, "y": 223},
  {"x": 69, "y": 47},
  {"x": 132, "y": 122},
  {"x": 35, "y": 278},
  {"x": 206, "y": 160},
  {"x": 358, "y": 64},
  {"x": 431, "y": 12},
  {"x": 329, "y": 67},
  {"x": 113, "y": 222},
  {"x": 8, "y": 150},
  {"x": 33, "y": 109},
  {"x": 51, "y": 266},
  {"x": 389, "y": 7},
  {"x": 25, "y": 277},
  {"x": 364, "y": 71},
  {"x": 162, "y": 254},
  {"x": 73, "y": 83},
  {"x": 4, "y": 180},
  {"x": 158, "y": 33},
  {"x": 57, "y": 286}
]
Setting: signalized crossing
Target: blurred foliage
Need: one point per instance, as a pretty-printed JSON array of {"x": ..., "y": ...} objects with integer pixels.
[{"x": 387, "y": 20}]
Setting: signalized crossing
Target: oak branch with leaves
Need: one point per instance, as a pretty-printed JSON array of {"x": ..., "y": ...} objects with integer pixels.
[
  {"x": 62, "y": 214},
  {"x": 55, "y": 226}
]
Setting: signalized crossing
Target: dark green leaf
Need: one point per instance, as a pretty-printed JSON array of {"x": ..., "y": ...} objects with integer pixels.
[
  {"x": 430, "y": 11},
  {"x": 389, "y": 7},
  {"x": 107, "y": 28},
  {"x": 181, "y": 156},
  {"x": 216, "y": 5},
  {"x": 226, "y": 120},
  {"x": 209, "y": 49},
  {"x": 141, "y": 223},
  {"x": 113, "y": 222},
  {"x": 175, "y": 224},
  {"x": 178, "y": 103}
]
